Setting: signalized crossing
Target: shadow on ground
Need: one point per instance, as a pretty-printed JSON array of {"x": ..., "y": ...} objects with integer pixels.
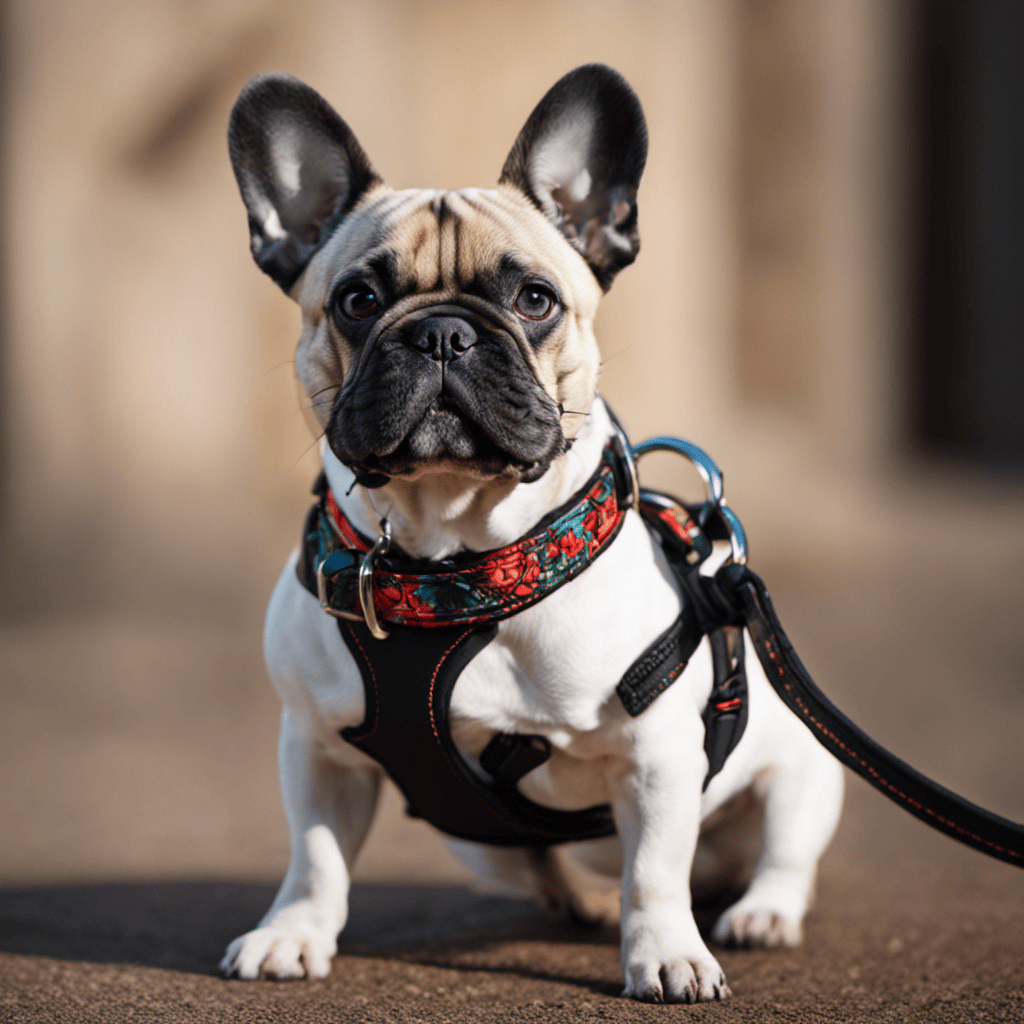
[{"x": 185, "y": 926}]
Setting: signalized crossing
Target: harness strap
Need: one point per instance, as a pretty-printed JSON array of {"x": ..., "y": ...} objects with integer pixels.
[
  {"x": 744, "y": 596},
  {"x": 411, "y": 738},
  {"x": 662, "y": 663},
  {"x": 725, "y": 715},
  {"x": 686, "y": 546}
]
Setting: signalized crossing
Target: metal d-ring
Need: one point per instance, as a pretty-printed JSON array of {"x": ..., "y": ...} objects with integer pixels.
[
  {"x": 714, "y": 484},
  {"x": 705, "y": 465},
  {"x": 632, "y": 498},
  {"x": 365, "y": 589},
  {"x": 737, "y": 535}
]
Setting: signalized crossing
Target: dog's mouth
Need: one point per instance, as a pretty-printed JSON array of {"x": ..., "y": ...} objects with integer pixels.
[
  {"x": 445, "y": 432},
  {"x": 482, "y": 414},
  {"x": 446, "y": 439}
]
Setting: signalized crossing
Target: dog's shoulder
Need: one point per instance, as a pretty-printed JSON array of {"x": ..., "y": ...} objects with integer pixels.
[{"x": 306, "y": 657}]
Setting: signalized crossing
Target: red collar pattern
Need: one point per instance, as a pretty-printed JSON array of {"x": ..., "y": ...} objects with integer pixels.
[{"x": 475, "y": 587}]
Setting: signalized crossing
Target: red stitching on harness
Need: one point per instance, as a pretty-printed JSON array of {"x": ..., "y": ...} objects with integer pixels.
[
  {"x": 433, "y": 725},
  {"x": 856, "y": 756},
  {"x": 666, "y": 681},
  {"x": 373, "y": 679},
  {"x": 433, "y": 679},
  {"x": 729, "y": 705}
]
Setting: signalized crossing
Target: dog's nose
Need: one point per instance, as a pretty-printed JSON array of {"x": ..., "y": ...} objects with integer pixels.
[{"x": 443, "y": 337}]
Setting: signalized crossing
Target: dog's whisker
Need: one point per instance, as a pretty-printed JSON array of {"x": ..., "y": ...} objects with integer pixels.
[
  {"x": 277, "y": 366},
  {"x": 317, "y": 394},
  {"x": 614, "y": 355},
  {"x": 318, "y": 405},
  {"x": 309, "y": 448}
]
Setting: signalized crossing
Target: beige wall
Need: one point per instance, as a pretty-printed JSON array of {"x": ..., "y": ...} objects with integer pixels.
[{"x": 149, "y": 392}]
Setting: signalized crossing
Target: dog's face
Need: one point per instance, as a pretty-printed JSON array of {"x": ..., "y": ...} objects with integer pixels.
[{"x": 445, "y": 331}]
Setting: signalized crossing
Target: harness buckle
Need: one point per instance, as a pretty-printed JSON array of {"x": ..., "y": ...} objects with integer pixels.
[{"x": 365, "y": 588}]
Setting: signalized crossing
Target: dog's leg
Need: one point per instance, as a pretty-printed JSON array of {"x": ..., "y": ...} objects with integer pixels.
[
  {"x": 656, "y": 796},
  {"x": 544, "y": 873},
  {"x": 802, "y": 803},
  {"x": 565, "y": 895},
  {"x": 329, "y": 810}
]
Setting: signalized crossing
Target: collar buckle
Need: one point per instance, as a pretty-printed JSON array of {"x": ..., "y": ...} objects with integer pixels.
[
  {"x": 330, "y": 566},
  {"x": 346, "y": 558}
]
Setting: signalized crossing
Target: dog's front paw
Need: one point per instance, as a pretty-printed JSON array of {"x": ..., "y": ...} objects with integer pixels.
[
  {"x": 666, "y": 968},
  {"x": 752, "y": 926},
  {"x": 280, "y": 952},
  {"x": 681, "y": 980}
]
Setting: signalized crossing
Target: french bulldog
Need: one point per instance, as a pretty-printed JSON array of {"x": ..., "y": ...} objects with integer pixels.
[{"x": 447, "y": 351}]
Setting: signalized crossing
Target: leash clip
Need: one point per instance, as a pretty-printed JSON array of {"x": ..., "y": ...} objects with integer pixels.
[{"x": 366, "y": 570}]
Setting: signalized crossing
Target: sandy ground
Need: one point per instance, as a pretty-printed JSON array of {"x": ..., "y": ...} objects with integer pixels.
[{"x": 141, "y": 830}]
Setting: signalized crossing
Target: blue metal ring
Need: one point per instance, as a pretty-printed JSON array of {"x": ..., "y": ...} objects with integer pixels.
[
  {"x": 737, "y": 535},
  {"x": 713, "y": 481},
  {"x": 706, "y": 466}
]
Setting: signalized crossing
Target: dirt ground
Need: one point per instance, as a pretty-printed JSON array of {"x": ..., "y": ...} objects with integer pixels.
[{"x": 142, "y": 830}]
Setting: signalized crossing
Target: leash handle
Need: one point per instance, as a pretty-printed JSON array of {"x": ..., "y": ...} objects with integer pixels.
[{"x": 914, "y": 792}]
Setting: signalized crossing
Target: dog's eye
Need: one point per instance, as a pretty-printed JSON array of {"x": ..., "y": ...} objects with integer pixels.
[
  {"x": 534, "y": 302},
  {"x": 359, "y": 302}
]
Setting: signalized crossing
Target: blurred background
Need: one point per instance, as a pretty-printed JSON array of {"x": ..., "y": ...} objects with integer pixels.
[{"x": 825, "y": 299}]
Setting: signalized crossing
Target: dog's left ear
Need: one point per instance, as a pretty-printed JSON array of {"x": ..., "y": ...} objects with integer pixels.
[
  {"x": 299, "y": 169},
  {"x": 579, "y": 158}
]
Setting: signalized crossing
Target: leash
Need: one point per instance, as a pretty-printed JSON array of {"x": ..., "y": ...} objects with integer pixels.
[
  {"x": 746, "y": 594},
  {"x": 739, "y": 596}
]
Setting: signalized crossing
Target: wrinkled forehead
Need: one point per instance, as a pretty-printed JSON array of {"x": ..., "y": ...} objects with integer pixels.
[{"x": 423, "y": 240}]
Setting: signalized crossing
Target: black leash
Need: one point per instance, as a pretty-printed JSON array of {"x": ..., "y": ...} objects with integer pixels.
[
  {"x": 738, "y": 596},
  {"x": 742, "y": 594}
]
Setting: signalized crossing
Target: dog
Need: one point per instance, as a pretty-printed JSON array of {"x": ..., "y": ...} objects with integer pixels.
[{"x": 466, "y": 438}]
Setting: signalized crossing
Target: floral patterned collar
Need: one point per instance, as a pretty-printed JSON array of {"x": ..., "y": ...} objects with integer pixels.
[{"x": 470, "y": 588}]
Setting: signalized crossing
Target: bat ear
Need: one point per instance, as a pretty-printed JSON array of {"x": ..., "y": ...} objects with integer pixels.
[
  {"x": 299, "y": 169},
  {"x": 579, "y": 159}
]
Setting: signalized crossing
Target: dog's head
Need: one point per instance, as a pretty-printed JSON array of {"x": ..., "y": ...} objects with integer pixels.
[{"x": 445, "y": 331}]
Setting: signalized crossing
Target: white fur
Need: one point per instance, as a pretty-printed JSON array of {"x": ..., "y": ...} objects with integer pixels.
[
  {"x": 286, "y": 150},
  {"x": 559, "y": 158},
  {"x": 552, "y": 670}
]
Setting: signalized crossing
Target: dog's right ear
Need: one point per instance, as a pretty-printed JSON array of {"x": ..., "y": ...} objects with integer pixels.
[
  {"x": 579, "y": 159},
  {"x": 299, "y": 169}
]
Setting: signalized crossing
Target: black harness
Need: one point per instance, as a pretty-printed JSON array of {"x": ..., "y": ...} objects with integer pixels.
[{"x": 409, "y": 677}]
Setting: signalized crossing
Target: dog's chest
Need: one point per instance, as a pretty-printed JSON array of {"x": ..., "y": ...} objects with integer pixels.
[{"x": 553, "y": 669}]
